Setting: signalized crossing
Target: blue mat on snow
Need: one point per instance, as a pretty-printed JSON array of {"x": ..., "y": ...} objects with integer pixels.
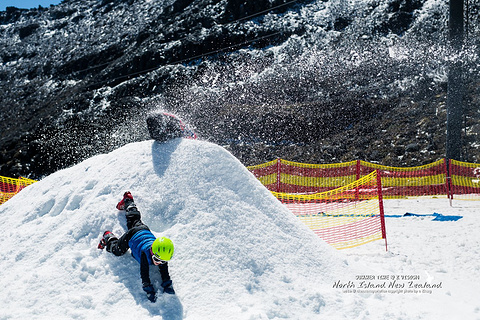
[{"x": 438, "y": 216}]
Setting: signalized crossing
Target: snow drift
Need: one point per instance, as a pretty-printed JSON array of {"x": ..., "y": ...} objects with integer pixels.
[{"x": 239, "y": 253}]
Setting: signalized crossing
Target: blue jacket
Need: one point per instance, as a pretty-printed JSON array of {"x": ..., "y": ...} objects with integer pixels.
[{"x": 140, "y": 242}]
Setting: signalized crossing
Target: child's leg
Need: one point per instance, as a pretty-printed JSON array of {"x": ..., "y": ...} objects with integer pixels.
[
  {"x": 117, "y": 246},
  {"x": 133, "y": 216}
]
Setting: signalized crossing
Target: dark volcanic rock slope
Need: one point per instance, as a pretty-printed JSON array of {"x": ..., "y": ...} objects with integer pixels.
[{"x": 312, "y": 81}]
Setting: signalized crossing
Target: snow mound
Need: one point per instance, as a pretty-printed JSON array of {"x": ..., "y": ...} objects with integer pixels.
[{"x": 239, "y": 253}]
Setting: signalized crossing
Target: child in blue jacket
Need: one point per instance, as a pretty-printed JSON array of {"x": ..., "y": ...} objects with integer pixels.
[{"x": 145, "y": 247}]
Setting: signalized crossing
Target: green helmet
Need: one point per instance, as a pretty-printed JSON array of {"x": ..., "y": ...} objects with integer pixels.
[{"x": 162, "y": 248}]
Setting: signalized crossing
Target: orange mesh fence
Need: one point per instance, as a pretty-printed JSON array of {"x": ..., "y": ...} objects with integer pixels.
[
  {"x": 399, "y": 182},
  {"x": 345, "y": 217},
  {"x": 465, "y": 180},
  {"x": 268, "y": 174},
  {"x": 10, "y": 187},
  {"x": 315, "y": 178},
  {"x": 293, "y": 177}
]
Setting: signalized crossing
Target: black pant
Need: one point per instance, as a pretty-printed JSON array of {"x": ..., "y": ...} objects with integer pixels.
[
  {"x": 134, "y": 224},
  {"x": 120, "y": 246}
]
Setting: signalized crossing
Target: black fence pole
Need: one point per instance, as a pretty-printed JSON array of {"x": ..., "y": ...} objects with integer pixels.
[{"x": 455, "y": 89}]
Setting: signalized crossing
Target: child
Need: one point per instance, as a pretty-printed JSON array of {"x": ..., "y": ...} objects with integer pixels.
[{"x": 145, "y": 247}]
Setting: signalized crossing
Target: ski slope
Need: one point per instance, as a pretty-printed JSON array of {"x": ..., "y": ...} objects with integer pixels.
[{"x": 239, "y": 253}]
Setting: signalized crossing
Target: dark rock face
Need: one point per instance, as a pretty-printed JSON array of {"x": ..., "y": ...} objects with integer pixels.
[{"x": 311, "y": 81}]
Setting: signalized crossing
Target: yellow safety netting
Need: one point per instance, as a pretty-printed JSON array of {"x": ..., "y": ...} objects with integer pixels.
[
  {"x": 345, "y": 217},
  {"x": 11, "y": 186},
  {"x": 397, "y": 182},
  {"x": 465, "y": 180}
]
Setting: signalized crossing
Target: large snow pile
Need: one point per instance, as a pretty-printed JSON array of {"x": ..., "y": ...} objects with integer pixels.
[{"x": 239, "y": 253}]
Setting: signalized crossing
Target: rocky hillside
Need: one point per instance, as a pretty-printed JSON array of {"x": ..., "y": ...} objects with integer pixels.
[{"x": 312, "y": 81}]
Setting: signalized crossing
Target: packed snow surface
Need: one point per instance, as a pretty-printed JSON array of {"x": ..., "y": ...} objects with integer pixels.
[{"x": 239, "y": 253}]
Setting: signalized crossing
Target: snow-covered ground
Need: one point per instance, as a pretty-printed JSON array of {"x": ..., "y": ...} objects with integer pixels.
[
  {"x": 432, "y": 251},
  {"x": 239, "y": 253}
]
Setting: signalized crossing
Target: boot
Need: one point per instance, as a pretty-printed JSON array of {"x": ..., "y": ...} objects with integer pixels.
[
  {"x": 107, "y": 237},
  {"x": 126, "y": 201}
]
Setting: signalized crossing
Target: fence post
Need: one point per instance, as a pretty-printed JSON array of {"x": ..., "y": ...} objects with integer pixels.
[
  {"x": 448, "y": 169},
  {"x": 380, "y": 203},
  {"x": 358, "y": 169},
  {"x": 358, "y": 177},
  {"x": 279, "y": 162}
]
